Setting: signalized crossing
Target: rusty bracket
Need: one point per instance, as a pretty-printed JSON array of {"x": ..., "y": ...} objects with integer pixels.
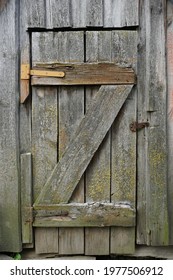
[{"x": 135, "y": 126}]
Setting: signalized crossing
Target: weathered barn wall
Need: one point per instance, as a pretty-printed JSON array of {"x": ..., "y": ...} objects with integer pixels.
[
  {"x": 10, "y": 234},
  {"x": 154, "y": 188}
]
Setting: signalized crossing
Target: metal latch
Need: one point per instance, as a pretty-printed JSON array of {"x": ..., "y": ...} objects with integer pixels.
[{"x": 134, "y": 126}]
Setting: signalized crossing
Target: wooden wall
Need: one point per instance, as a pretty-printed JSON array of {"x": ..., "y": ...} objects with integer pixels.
[
  {"x": 155, "y": 157},
  {"x": 10, "y": 233}
]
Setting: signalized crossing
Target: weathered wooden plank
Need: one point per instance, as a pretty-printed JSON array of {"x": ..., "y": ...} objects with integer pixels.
[
  {"x": 46, "y": 240},
  {"x": 78, "y": 13},
  {"x": 58, "y": 13},
  {"x": 123, "y": 240},
  {"x": 123, "y": 149},
  {"x": 25, "y": 109},
  {"x": 26, "y": 198},
  {"x": 170, "y": 114},
  {"x": 94, "y": 13},
  {"x": 89, "y": 135},
  {"x": 45, "y": 129},
  {"x": 10, "y": 231},
  {"x": 71, "y": 110},
  {"x": 152, "y": 142},
  {"x": 123, "y": 170},
  {"x": 86, "y": 74},
  {"x": 98, "y": 172},
  {"x": 124, "y": 49},
  {"x": 35, "y": 13},
  {"x": 84, "y": 214},
  {"x": 44, "y": 148},
  {"x": 121, "y": 13}
]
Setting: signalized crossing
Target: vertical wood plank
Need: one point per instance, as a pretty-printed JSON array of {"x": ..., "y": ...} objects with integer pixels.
[
  {"x": 58, "y": 13},
  {"x": 98, "y": 48},
  {"x": 78, "y": 13},
  {"x": 123, "y": 149},
  {"x": 35, "y": 11},
  {"x": 44, "y": 151},
  {"x": 26, "y": 198},
  {"x": 44, "y": 136},
  {"x": 121, "y": 13},
  {"x": 94, "y": 13},
  {"x": 71, "y": 110},
  {"x": 25, "y": 109},
  {"x": 152, "y": 142},
  {"x": 10, "y": 231},
  {"x": 170, "y": 114}
]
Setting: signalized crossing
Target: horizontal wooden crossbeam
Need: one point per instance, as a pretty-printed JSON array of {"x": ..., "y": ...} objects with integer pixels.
[
  {"x": 84, "y": 74},
  {"x": 54, "y": 74},
  {"x": 84, "y": 215}
]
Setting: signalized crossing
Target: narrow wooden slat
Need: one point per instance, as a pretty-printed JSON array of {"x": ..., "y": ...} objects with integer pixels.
[
  {"x": 98, "y": 171},
  {"x": 85, "y": 214},
  {"x": 10, "y": 231},
  {"x": 123, "y": 180},
  {"x": 44, "y": 147},
  {"x": 170, "y": 114},
  {"x": 87, "y": 74},
  {"x": 35, "y": 11},
  {"x": 44, "y": 135},
  {"x": 26, "y": 198},
  {"x": 25, "y": 109},
  {"x": 152, "y": 142},
  {"x": 78, "y": 13},
  {"x": 94, "y": 12},
  {"x": 123, "y": 146},
  {"x": 121, "y": 13},
  {"x": 58, "y": 13},
  {"x": 71, "y": 110},
  {"x": 89, "y": 135}
]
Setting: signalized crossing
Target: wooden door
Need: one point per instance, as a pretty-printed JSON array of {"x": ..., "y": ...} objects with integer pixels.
[{"x": 83, "y": 151}]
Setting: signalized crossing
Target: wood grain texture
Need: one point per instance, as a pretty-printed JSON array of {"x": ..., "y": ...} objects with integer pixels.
[
  {"x": 98, "y": 171},
  {"x": 78, "y": 13},
  {"x": 152, "y": 206},
  {"x": 170, "y": 114},
  {"x": 123, "y": 240},
  {"x": 71, "y": 110},
  {"x": 121, "y": 13},
  {"x": 26, "y": 198},
  {"x": 88, "y": 136},
  {"x": 44, "y": 152},
  {"x": 84, "y": 74},
  {"x": 123, "y": 144},
  {"x": 84, "y": 215},
  {"x": 58, "y": 13},
  {"x": 36, "y": 13},
  {"x": 46, "y": 240},
  {"x": 25, "y": 109},
  {"x": 44, "y": 135},
  {"x": 10, "y": 230},
  {"x": 94, "y": 13}
]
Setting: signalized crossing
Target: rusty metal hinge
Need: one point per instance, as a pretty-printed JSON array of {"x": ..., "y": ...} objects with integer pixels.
[{"x": 134, "y": 126}]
